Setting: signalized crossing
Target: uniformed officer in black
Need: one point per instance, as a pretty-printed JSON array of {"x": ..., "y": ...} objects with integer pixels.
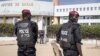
[
  {"x": 73, "y": 49},
  {"x": 42, "y": 37},
  {"x": 27, "y": 33}
]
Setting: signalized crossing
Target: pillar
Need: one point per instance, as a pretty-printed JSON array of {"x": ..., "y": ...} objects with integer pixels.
[{"x": 55, "y": 18}]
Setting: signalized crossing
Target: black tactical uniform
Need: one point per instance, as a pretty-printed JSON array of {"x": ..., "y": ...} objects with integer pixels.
[
  {"x": 27, "y": 33},
  {"x": 42, "y": 37},
  {"x": 69, "y": 35},
  {"x": 70, "y": 50}
]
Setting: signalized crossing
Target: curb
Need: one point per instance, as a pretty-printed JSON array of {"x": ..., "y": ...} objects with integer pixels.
[{"x": 7, "y": 44}]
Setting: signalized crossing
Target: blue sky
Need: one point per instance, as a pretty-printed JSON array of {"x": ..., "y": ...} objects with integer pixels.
[
  {"x": 64, "y": 2},
  {"x": 2, "y": 0}
]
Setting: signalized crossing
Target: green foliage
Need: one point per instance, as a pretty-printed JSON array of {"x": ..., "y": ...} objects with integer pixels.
[
  {"x": 6, "y": 29},
  {"x": 90, "y": 31},
  {"x": 86, "y": 31},
  {"x": 52, "y": 29}
]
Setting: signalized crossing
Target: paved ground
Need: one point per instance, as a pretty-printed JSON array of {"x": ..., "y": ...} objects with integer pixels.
[
  {"x": 91, "y": 50},
  {"x": 44, "y": 49},
  {"x": 10, "y": 50}
]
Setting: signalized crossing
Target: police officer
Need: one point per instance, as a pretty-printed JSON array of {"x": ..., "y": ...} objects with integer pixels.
[
  {"x": 69, "y": 36},
  {"x": 42, "y": 37},
  {"x": 27, "y": 33}
]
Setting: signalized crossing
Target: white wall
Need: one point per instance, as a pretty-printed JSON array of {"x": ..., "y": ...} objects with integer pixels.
[
  {"x": 89, "y": 21},
  {"x": 39, "y": 20},
  {"x": 82, "y": 13},
  {"x": 36, "y": 7}
]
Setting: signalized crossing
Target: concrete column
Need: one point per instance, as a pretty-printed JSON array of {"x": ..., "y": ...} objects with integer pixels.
[
  {"x": 45, "y": 28},
  {"x": 89, "y": 24},
  {"x": 14, "y": 20},
  {"x": 55, "y": 3}
]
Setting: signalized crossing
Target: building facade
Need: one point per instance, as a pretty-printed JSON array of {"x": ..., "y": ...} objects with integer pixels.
[
  {"x": 89, "y": 13},
  {"x": 42, "y": 11}
]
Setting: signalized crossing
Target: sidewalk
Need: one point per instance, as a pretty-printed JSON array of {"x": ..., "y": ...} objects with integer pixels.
[
  {"x": 9, "y": 48},
  {"x": 44, "y": 50}
]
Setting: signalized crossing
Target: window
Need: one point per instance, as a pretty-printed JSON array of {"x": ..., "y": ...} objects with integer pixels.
[
  {"x": 57, "y": 10},
  {"x": 64, "y": 17},
  {"x": 98, "y": 8},
  {"x": 73, "y": 9},
  {"x": 64, "y": 10},
  {"x": 91, "y": 8},
  {"x": 69, "y": 9},
  {"x": 86, "y": 17},
  {"x": 80, "y": 9},
  {"x": 83, "y": 17},
  {"x": 76, "y": 9},
  {"x": 96, "y": 17},
  {"x": 84, "y": 23},
  {"x": 95, "y": 8},
  {"x": 95, "y": 23},
  {"x": 60, "y": 10},
  {"x": 87, "y": 8},
  {"x": 84, "y": 9}
]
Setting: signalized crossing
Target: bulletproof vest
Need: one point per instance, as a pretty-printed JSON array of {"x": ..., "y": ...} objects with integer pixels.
[
  {"x": 25, "y": 36},
  {"x": 66, "y": 37}
]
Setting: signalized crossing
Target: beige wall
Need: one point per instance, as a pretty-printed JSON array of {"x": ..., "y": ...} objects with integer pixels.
[
  {"x": 55, "y": 2},
  {"x": 55, "y": 19}
]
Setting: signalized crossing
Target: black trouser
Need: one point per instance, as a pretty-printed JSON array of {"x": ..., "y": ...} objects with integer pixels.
[
  {"x": 70, "y": 52},
  {"x": 42, "y": 40},
  {"x": 26, "y": 51}
]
